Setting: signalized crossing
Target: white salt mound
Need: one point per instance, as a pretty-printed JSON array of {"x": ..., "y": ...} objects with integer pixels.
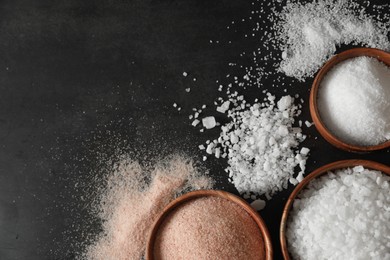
[
  {"x": 309, "y": 33},
  {"x": 342, "y": 215},
  {"x": 261, "y": 145},
  {"x": 354, "y": 101}
]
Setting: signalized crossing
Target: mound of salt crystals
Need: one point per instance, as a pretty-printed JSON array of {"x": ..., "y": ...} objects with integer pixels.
[
  {"x": 262, "y": 147},
  {"x": 209, "y": 228},
  {"x": 309, "y": 33},
  {"x": 342, "y": 215},
  {"x": 354, "y": 101}
]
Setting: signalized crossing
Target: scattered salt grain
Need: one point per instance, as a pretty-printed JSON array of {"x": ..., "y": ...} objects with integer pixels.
[
  {"x": 224, "y": 107},
  {"x": 209, "y": 122},
  {"x": 354, "y": 101},
  {"x": 305, "y": 151},
  {"x": 308, "y": 124},
  {"x": 342, "y": 215},
  {"x": 258, "y": 204},
  {"x": 195, "y": 122}
]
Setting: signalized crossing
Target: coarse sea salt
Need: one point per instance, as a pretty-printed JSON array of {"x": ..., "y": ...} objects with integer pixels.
[
  {"x": 342, "y": 215},
  {"x": 354, "y": 101},
  {"x": 261, "y": 145}
]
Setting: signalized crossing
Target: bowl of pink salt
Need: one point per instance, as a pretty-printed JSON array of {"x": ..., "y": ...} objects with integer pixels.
[
  {"x": 350, "y": 100},
  {"x": 209, "y": 224}
]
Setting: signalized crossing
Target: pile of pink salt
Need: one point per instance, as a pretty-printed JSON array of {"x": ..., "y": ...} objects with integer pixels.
[
  {"x": 131, "y": 201},
  {"x": 209, "y": 228}
]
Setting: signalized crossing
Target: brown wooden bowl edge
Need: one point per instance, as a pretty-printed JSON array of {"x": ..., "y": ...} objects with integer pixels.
[
  {"x": 314, "y": 174},
  {"x": 320, "y": 126},
  {"x": 217, "y": 193}
]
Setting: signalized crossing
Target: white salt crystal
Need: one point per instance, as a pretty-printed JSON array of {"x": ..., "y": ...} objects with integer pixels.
[
  {"x": 284, "y": 103},
  {"x": 223, "y": 107},
  {"x": 217, "y": 152},
  {"x": 284, "y": 55},
  {"x": 195, "y": 122},
  {"x": 308, "y": 124},
  {"x": 185, "y": 74},
  {"x": 209, "y": 122},
  {"x": 258, "y": 204},
  {"x": 210, "y": 148},
  {"x": 305, "y": 150}
]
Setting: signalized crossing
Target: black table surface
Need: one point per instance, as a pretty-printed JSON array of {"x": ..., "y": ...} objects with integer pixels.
[{"x": 81, "y": 80}]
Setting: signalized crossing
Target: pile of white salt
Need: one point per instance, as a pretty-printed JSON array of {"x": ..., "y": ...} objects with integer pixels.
[
  {"x": 342, "y": 215},
  {"x": 354, "y": 101},
  {"x": 262, "y": 146},
  {"x": 209, "y": 228},
  {"x": 130, "y": 203},
  {"x": 309, "y": 32}
]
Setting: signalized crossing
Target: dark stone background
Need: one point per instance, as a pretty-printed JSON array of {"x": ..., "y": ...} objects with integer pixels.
[{"x": 81, "y": 80}]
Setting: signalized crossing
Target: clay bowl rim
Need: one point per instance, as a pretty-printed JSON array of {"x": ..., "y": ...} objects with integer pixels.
[
  {"x": 316, "y": 173},
  {"x": 205, "y": 193},
  {"x": 315, "y": 115}
]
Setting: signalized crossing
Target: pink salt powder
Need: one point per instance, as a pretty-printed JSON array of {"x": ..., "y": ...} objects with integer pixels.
[
  {"x": 209, "y": 228},
  {"x": 129, "y": 206}
]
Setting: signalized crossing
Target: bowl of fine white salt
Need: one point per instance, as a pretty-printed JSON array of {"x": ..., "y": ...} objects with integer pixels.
[
  {"x": 350, "y": 100},
  {"x": 339, "y": 211},
  {"x": 209, "y": 224}
]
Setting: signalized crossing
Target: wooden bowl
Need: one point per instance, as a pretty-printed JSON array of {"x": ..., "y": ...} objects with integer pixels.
[
  {"x": 321, "y": 171},
  {"x": 205, "y": 193},
  {"x": 331, "y": 138}
]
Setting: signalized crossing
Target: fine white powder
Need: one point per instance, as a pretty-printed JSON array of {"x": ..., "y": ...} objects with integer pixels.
[
  {"x": 261, "y": 145},
  {"x": 342, "y": 215},
  {"x": 354, "y": 101},
  {"x": 308, "y": 34}
]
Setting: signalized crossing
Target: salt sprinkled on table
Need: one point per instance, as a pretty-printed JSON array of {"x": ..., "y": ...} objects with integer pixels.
[{"x": 309, "y": 33}]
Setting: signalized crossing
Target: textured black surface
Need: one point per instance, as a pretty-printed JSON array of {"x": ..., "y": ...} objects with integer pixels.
[{"x": 82, "y": 79}]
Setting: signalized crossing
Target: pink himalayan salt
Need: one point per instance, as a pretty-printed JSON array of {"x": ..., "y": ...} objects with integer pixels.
[
  {"x": 209, "y": 228},
  {"x": 128, "y": 206}
]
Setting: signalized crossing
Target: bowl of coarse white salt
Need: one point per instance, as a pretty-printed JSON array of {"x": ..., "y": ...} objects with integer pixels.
[
  {"x": 350, "y": 100},
  {"x": 339, "y": 211}
]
